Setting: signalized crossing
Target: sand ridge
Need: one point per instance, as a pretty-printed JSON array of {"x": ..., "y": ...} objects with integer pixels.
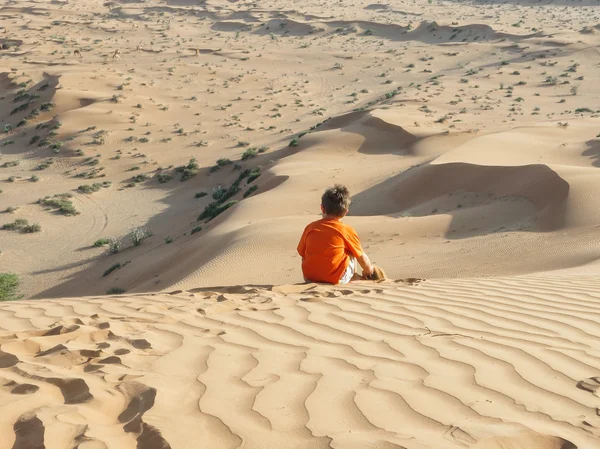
[
  {"x": 113, "y": 104},
  {"x": 514, "y": 359}
]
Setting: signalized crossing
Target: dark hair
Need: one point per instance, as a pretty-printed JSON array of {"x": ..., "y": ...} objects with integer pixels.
[{"x": 336, "y": 200}]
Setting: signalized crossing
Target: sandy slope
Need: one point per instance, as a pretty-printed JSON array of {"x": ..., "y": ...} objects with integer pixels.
[
  {"x": 490, "y": 363},
  {"x": 468, "y": 134}
]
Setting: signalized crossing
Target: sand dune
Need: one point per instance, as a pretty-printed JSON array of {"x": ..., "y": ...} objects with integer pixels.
[
  {"x": 491, "y": 363},
  {"x": 159, "y": 160}
]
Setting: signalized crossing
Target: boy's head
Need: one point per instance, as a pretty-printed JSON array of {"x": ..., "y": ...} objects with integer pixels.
[{"x": 336, "y": 201}]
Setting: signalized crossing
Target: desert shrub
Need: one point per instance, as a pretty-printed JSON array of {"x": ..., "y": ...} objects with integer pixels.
[
  {"x": 250, "y": 191},
  {"x": 223, "y": 162},
  {"x": 249, "y": 154},
  {"x": 294, "y": 143},
  {"x": 47, "y": 106},
  {"x": 253, "y": 175},
  {"x": 44, "y": 165},
  {"x": 89, "y": 188},
  {"x": 9, "y": 285},
  {"x": 218, "y": 193},
  {"x": 115, "y": 244},
  {"x": 140, "y": 178},
  {"x": 200, "y": 195},
  {"x": 163, "y": 178},
  {"x": 214, "y": 209},
  {"x": 31, "y": 228},
  {"x": 34, "y": 178},
  {"x": 16, "y": 225},
  {"x": 101, "y": 242},
  {"x": 139, "y": 234},
  {"x": 60, "y": 203},
  {"x": 190, "y": 170},
  {"x": 196, "y": 229},
  {"x": 20, "y": 108},
  {"x": 111, "y": 269},
  {"x": 168, "y": 239},
  {"x": 115, "y": 291}
]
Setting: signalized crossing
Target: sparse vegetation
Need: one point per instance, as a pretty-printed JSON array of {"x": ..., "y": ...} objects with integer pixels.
[
  {"x": 163, "y": 178},
  {"x": 31, "y": 228},
  {"x": 60, "y": 203},
  {"x": 215, "y": 209},
  {"x": 111, "y": 269},
  {"x": 115, "y": 291},
  {"x": 139, "y": 234},
  {"x": 101, "y": 242},
  {"x": 9, "y": 287},
  {"x": 115, "y": 245},
  {"x": 250, "y": 191},
  {"x": 91, "y": 188},
  {"x": 190, "y": 170},
  {"x": 249, "y": 154}
]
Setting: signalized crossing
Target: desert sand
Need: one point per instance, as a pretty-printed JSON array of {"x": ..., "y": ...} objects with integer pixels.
[{"x": 160, "y": 159}]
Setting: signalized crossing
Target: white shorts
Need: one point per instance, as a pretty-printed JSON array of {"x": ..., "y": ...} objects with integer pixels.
[{"x": 350, "y": 271}]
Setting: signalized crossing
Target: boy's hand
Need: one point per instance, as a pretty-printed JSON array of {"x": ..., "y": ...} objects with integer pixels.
[{"x": 368, "y": 271}]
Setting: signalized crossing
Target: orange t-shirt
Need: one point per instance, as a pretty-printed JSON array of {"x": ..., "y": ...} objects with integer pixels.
[{"x": 325, "y": 247}]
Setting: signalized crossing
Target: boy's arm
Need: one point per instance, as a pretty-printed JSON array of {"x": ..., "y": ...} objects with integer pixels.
[
  {"x": 356, "y": 249},
  {"x": 302, "y": 245},
  {"x": 365, "y": 264}
]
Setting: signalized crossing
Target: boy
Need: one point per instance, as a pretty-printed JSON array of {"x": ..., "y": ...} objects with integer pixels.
[{"x": 329, "y": 248}]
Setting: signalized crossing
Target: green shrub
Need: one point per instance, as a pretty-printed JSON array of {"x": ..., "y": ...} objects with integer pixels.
[
  {"x": 89, "y": 188},
  {"x": 163, "y": 178},
  {"x": 249, "y": 154},
  {"x": 30, "y": 229},
  {"x": 18, "y": 224},
  {"x": 140, "y": 178},
  {"x": 253, "y": 175},
  {"x": 223, "y": 162},
  {"x": 294, "y": 143},
  {"x": 196, "y": 229},
  {"x": 111, "y": 269},
  {"x": 9, "y": 285},
  {"x": 200, "y": 195},
  {"x": 47, "y": 106},
  {"x": 214, "y": 209},
  {"x": 250, "y": 191},
  {"x": 115, "y": 291},
  {"x": 168, "y": 239},
  {"x": 218, "y": 193},
  {"x": 101, "y": 242},
  {"x": 190, "y": 170},
  {"x": 60, "y": 203}
]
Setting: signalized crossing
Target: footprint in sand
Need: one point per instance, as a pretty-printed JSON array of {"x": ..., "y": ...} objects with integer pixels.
[
  {"x": 410, "y": 281},
  {"x": 591, "y": 384}
]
